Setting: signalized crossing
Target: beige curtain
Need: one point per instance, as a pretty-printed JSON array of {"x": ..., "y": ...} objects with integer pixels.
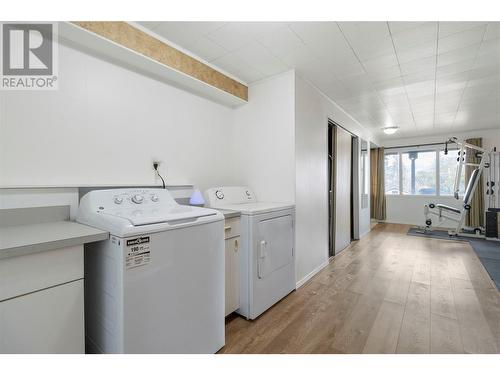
[
  {"x": 377, "y": 191},
  {"x": 475, "y": 216}
]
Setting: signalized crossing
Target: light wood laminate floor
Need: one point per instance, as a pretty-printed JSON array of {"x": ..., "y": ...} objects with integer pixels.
[{"x": 387, "y": 293}]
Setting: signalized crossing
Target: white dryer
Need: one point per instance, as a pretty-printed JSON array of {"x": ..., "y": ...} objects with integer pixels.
[
  {"x": 267, "y": 261},
  {"x": 157, "y": 284}
]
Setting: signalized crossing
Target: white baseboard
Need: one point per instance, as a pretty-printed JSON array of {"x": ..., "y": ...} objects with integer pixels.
[
  {"x": 364, "y": 233},
  {"x": 311, "y": 274}
]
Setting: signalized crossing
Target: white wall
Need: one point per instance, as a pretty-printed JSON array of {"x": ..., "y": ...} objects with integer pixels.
[
  {"x": 264, "y": 139},
  {"x": 104, "y": 126},
  {"x": 106, "y": 123},
  {"x": 403, "y": 209},
  {"x": 311, "y": 126},
  {"x": 410, "y": 209}
]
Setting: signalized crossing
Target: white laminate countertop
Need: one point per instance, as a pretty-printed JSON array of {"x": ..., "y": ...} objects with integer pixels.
[
  {"x": 229, "y": 213},
  {"x": 33, "y": 238}
]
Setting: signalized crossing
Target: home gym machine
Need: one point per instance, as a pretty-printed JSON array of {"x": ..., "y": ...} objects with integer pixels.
[{"x": 489, "y": 166}]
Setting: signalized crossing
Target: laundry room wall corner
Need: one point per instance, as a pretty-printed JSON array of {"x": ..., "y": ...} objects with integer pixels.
[{"x": 264, "y": 139}]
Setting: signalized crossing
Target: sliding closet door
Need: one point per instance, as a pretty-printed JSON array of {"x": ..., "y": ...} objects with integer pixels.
[{"x": 343, "y": 153}]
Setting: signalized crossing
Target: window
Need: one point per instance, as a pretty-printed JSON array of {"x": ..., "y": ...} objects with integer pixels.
[
  {"x": 421, "y": 172},
  {"x": 447, "y": 172},
  {"x": 391, "y": 167}
]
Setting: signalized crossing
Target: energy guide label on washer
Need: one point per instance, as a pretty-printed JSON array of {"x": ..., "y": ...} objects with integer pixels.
[{"x": 138, "y": 252}]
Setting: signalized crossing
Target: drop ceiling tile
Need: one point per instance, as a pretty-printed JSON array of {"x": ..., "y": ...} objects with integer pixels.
[
  {"x": 185, "y": 33},
  {"x": 248, "y": 75},
  {"x": 443, "y": 87},
  {"x": 206, "y": 49},
  {"x": 280, "y": 41},
  {"x": 236, "y": 65},
  {"x": 358, "y": 82},
  {"x": 459, "y": 67},
  {"x": 457, "y": 55},
  {"x": 402, "y": 117},
  {"x": 344, "y": 65},
  {"x": 426, "y": 33},
  {"x": 485, "y": 83},
  {"x": 491, "y": 48},
  {"x": 397, "y": 101},
  {"x": 461, "y": 39},
  {"x": 492, "y": 31},
  {"x": 316, "y": 71},
  {"x": 231, "y": 36},
  {"x": 383, "y": 74},
  {"x": 367, "y": 48},
  {"x": 422, "y": 108},
  {"x": 427, "y": 64},
  {"x": 319, "y": 36},
  {"x": 394, "y": 84},
  {"x": 399, "y": 26},
  {"x": 453, "y": 27},
  {"x": 451, "y": 95},
  {"x": 259, "y": 58},
  {"x": 406, "y": 54},
  {"x": 335, "y": 90},
  {"x": 388, "y": 94},
  {"x": 491, "y": 71},
  {"x": 297, "y": 57},
  {"x": 230, "y": 62},
  {"x": 235, "y": 35},
  {"x": 369, "y": 29},
  {"x": 418, "y": 77},
  {"x": 382, "y": 62},
  {"x": 450, "y": 79},
  {"x": 390, "y": 83},
  {"x": 424, "y": 119},
  {"x": 446, "y": 107},
  {"x": 474, "y": 97}
]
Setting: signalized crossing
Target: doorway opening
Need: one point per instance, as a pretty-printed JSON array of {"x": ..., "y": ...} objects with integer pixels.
[{"x": 343, "y": 188}]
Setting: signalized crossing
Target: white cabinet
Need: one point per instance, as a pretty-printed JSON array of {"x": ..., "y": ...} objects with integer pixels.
[
  {"x": 44, "y": 322},
  {"x": 232, "y": 239},
  {"x": 41, "y": 302}
]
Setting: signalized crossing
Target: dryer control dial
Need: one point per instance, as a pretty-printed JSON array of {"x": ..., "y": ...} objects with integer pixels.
[
  {"x": 118, "y": 200},
  {"x": 137, "y": 198},
  {"x": 219, "y": 194},
  {"x": 154, "y": 198}
]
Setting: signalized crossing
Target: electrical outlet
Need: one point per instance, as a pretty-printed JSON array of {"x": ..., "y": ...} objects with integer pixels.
[{"x": 156, "y": 163}]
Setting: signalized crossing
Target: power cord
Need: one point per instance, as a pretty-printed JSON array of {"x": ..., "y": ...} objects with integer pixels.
[{"x": 155, "y": 166}]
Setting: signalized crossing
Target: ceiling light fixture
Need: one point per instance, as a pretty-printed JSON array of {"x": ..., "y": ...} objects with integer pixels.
[{"x": 390, "y": 129}]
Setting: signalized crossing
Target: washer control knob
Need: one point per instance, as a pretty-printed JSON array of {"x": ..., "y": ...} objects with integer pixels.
[
  {"x": 219, "y": 194},
  {"x": 118, "y": 200},
  {"x": 155, "y": 198},
  {"x": 138, "y": 199}
]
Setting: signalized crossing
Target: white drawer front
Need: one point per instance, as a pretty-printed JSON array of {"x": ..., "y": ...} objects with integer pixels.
[
  {"x": 29, "y": 273},
  {"x": 232, "y": 227},
  {"x": 48, "y": 321}
]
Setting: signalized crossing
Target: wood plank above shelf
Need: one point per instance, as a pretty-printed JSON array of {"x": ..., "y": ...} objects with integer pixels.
[{"x": 123, "y": 43}]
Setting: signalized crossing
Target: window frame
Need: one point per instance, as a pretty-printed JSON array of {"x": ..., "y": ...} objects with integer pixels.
[
  {"x": 399, "y": 172},
  {"x": 423, "y": 148}
]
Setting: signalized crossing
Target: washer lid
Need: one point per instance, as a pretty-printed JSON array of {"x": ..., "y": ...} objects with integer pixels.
[
  {"x": 149, "y": 215},
  {"x": 258, "y": 207}
]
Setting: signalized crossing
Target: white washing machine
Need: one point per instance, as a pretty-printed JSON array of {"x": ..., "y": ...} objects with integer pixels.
[
  {"x": 157, "y": 285},
  {"x": 267, "y": 261}
]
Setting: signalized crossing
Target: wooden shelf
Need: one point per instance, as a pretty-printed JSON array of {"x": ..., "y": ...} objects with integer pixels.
[{"x": 89, "y": 42}]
